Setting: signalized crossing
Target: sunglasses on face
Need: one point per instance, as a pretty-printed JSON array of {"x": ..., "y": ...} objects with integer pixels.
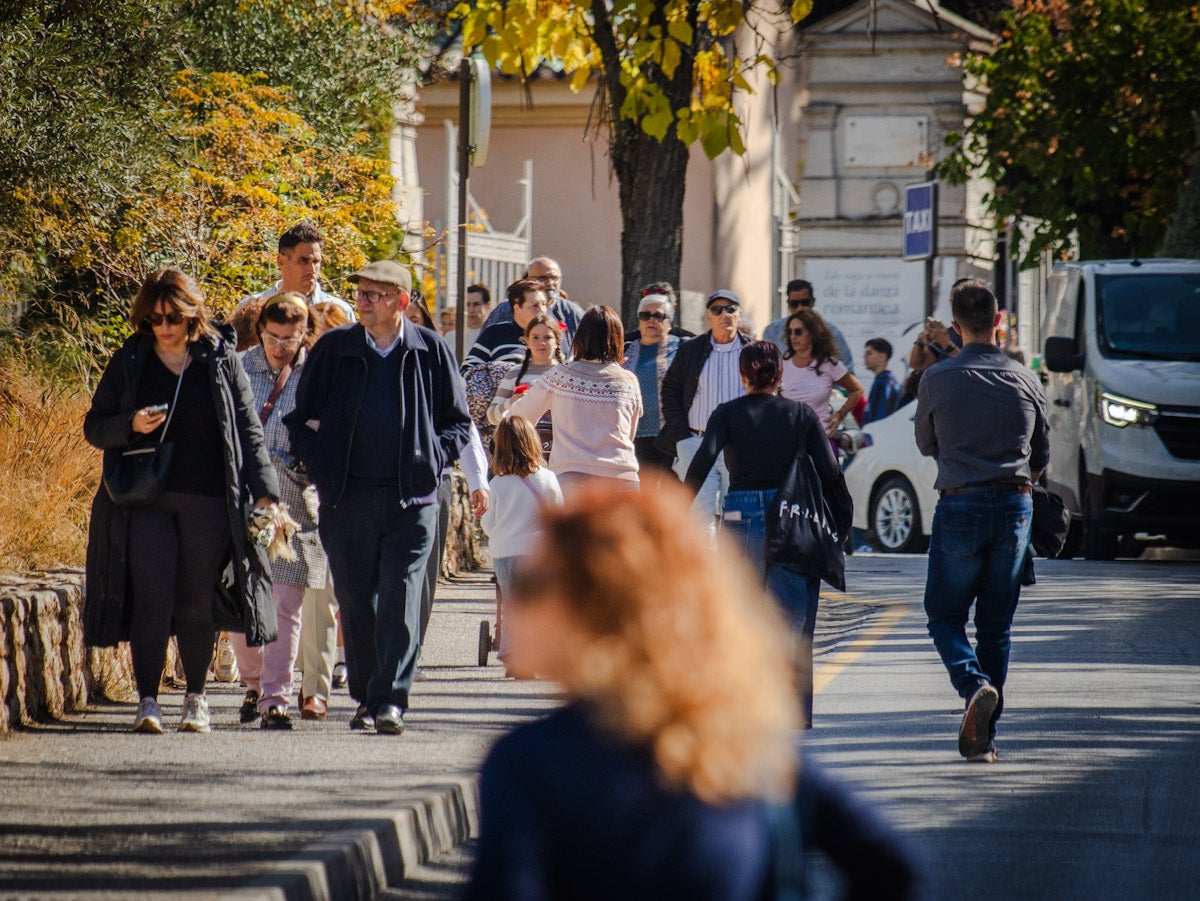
[
  {"x": 720, "y": 309},
  {"x": 796, "y": 332},
  {"x": 646, "y": 316},
  {"x": 797, "y": 304},
  {"x": 172, "y": 318}
]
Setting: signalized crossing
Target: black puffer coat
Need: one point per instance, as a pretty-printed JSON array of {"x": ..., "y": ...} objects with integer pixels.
[{"x": 242, "y": 599}]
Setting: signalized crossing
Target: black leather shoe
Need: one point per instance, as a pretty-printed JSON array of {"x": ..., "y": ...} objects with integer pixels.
[
  {"x": 389, "y": 720},
  {"x": 249, "y": 711},
  {"x": 362, "y": 718},
  {"x": 275, "y": 718}
]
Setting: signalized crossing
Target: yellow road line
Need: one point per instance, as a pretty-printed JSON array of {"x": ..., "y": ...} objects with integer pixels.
[{"x": 829, "y": 668}]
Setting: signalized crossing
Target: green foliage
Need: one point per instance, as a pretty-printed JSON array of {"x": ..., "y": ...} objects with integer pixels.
[
  {"x": 1182, "y": 238},
  {"x": 1087, "y": 124},
  {"x": 122, "y": 159},
  {"x": 344, "y": 61},
  {"x": 669, "y": 67}
]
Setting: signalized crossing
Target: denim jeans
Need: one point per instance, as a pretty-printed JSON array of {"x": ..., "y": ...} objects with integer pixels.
[
  {"x": 707, "y": 504},
  {"x": 798, "y": 593},
  {"x": 505, "y": 568},
  {"x": 377, "y": 553},
  {"x": 976, "y": 555}
]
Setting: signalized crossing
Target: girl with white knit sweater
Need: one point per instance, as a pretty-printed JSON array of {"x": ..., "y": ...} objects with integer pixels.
[{"x": 521, "y": 487}]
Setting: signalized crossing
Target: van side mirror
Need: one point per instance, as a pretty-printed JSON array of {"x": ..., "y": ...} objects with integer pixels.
[{"x": 1060, "y": 355}]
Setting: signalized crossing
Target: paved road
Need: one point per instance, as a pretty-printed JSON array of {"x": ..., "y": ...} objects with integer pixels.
[{"x": 1096, "y": 793}]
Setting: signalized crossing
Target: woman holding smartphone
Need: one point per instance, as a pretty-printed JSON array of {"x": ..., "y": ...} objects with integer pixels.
[{"x": 154, "y": 569}]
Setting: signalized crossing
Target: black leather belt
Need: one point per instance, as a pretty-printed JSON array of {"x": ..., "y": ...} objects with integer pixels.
[{"x": 988, "y": 488}]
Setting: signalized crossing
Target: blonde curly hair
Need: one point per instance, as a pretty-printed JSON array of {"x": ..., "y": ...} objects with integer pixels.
[{"x": 684, "y": 651}]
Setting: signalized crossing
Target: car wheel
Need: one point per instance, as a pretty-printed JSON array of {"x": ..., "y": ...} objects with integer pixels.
[{"x": 896, "y": 518}]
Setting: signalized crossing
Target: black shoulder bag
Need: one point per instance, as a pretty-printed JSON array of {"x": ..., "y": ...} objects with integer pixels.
[
  {"x": 800, "y": 526},
  {"x": 136, "y": 477}
]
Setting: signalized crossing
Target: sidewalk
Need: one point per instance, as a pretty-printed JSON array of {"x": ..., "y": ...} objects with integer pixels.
[{"x": 85, "y": 806}]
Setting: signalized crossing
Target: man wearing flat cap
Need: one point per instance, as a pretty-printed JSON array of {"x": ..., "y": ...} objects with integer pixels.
[{"x": 380, "y": 412}]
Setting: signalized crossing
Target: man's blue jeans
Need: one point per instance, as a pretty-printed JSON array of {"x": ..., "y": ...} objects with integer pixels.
[
  {"x": 377, "y": 553},
  {"x": 976, "y": 554},
  {"x": 798, "y": 593}
]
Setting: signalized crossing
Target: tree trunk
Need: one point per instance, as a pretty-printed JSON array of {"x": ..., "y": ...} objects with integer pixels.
[{"x": 651, "y": 177}]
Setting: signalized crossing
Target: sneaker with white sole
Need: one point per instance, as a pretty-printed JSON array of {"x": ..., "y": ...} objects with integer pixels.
[
  {"x": 226, "y": 667},
  {"x": 149, "y": 717},
  {"x": 987, "y": 755},
  {"x": 195, "y": 714}
]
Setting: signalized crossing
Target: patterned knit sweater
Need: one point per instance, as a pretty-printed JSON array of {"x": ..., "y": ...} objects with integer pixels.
[{"x": 596, "y": 408}]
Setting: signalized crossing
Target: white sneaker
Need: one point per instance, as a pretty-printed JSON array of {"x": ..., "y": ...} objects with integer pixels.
[
  {"x": 226, "y": 667},
  {"x": 195, "y": 714},
  {"x": 149, "y": 717}
]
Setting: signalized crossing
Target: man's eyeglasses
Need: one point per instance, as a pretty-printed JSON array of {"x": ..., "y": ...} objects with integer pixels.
[
  {"x": 172, "y": 318},
  {"x": 372, "y": 296},
  {"x": 286, "y": 343},
  {"x": 647, "y": 316},
  {"x": 796, "y": 332},
  {"x": 794, "y": 305},
  {"x": 720, "y": 309}
]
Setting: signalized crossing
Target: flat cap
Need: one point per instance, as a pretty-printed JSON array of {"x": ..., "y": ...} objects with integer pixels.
[{"x": 388, "y": 272}]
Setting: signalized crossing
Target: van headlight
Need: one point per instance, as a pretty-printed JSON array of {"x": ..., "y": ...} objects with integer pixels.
[{"x": 1122, "y": 411}]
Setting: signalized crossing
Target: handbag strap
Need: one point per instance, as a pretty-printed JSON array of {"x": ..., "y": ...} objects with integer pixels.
[
  {"x": 269, "y": 404},
  {"x": 174, "y": 400}
]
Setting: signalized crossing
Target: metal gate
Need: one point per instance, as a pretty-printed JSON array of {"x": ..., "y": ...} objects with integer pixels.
[{"x": 494, "y": 258}]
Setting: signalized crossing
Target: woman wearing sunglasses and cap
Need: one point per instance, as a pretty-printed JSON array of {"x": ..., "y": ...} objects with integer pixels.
[{"x": 154, "y": 562}]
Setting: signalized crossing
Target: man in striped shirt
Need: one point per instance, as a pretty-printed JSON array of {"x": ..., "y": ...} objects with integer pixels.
[{"x": 703, "y": 375}]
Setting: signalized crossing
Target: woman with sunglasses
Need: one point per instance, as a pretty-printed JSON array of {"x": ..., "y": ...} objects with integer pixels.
[
  {"x": 812, "y": 368},
  {"x": 648, "y": 357},
  {"x": 285, "y": 332},
  {"x": 154, "y": 569}
]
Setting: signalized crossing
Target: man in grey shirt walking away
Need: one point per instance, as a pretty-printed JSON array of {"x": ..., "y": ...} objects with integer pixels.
[{"x": 983, "y": 416}]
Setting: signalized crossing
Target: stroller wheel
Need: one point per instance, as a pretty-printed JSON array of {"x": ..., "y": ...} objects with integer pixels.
[{"x": 485, "y": 642}]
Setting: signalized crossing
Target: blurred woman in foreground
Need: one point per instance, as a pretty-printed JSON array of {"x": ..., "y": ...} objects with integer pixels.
[{"x": 672, "y": 771}]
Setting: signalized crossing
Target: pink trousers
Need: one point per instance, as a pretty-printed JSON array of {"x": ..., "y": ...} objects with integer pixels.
[{"x": 269, "y": 669}]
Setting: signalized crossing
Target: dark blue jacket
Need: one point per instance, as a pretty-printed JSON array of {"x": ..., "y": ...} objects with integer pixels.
[
  {"x": 884, "y": 398},
  {"x": 435, "y": 428},
  {"x": 569, "y": 812}
]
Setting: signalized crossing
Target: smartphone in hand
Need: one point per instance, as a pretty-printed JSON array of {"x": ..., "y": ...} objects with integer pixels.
[{"x": 157, "y": 409}]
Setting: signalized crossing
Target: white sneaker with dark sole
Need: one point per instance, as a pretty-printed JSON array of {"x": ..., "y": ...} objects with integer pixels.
[
  {"x": 973, "y": 737},
  {"x": 195, "y": 714},
  {"x": 149, "y": 717}
]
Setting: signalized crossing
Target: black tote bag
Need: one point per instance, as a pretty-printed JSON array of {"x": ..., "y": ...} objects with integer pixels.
[{"x": 800, "y": 527}]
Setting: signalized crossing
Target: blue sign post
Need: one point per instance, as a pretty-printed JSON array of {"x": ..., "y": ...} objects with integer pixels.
[
  {"x": 920, "y": 221},
  {"x": 920, "y": 232}
]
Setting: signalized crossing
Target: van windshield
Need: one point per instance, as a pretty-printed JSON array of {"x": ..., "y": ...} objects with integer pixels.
[{"x": 1150, "y": 315}]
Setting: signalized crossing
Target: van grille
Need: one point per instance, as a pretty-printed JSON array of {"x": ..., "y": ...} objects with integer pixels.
[{"x": 1179, "y": 430}]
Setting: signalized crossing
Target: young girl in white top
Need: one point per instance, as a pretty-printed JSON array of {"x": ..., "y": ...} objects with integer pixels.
[{"x": 521, "y": 486}]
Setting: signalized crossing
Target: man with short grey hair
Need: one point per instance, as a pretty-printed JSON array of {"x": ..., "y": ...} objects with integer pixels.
[
  {"x": 380, "y": 412},
  {"x": 561, "y": 309}
]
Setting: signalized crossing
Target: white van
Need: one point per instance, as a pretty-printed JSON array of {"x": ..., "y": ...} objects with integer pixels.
[{"x": 1123, "y": 394}]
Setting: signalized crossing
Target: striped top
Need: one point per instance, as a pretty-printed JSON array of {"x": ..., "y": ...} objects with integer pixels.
[{"x": 720, "y": 382}]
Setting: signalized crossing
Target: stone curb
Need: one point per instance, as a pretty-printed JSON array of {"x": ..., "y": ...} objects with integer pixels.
[{"x": 376, "y": 851}]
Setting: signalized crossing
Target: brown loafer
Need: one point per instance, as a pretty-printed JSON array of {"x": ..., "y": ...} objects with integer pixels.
[{"x": 314, "y": 709}]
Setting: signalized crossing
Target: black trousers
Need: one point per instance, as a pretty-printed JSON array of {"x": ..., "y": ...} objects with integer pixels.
[
  {"x": 377, "y": 553},
  {"x": 654, "y": 464},
  {"x": 176, "y": 548}
]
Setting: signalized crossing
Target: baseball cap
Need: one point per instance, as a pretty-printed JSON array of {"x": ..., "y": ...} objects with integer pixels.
[
  {"x": 723, "y": 294},
  {"x": 389, "y": 272}
]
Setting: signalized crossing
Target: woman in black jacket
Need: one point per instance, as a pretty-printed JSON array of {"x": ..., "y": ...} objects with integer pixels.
[
  {"x": 156, "y": 568},
  {"x": 762, "y": 434}
]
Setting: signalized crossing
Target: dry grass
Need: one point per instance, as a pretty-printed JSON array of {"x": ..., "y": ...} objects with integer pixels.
[{"x": 48, "y": 473}]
